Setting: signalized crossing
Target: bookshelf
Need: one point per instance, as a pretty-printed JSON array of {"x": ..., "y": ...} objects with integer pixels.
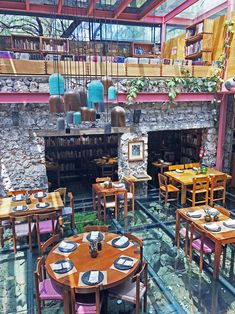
[
  {"x": 20, "y": 43},
  {"x": 73, "y": 154},
  {"x": 144, "y": 50},
  {"x": 54, "y": 45},
  {"x": 190, "y": 145},
  {"x": 199, "y": 42}
]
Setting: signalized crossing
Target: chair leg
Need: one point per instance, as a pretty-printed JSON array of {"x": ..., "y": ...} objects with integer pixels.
[
  {"x": 201, "y": 261},
  {"x": 224, "y": 256},
  {"x": 133, "y": 204},
  {"x": 72, "y": 222},
  {"x": 38, "y": 306},
  {"x": 145, "y": 302}
]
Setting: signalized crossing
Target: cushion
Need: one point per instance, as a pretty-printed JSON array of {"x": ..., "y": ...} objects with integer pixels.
[
  {"x": 45, "y": 226},
  {"x": 209, "y": 246},
  {"x": 23, "y": 229},
  {"x": 129, "y": 196},
  {"x": 67, "y": 211},
  {"x": 109, "y": 204},
  {"x": 196, "y": 235},
  {"x": 49, "y": 290},
  {"x": 85, "y": 308},
  {"x": 127, "y": 291}
]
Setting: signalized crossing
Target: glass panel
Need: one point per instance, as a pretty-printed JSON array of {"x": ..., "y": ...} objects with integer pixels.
[
  {"x": 199, "y": 8},
  {"x": 75, "y": 3},
  {"x": 137, "y": 3},
  {"x": 167, "y": 7},
  {"x": 107, "y": 4},
  {"x": 173, "y": 31}
]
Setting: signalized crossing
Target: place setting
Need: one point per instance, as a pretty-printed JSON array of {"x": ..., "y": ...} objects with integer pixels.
[
  {"x": 66, "y": 247},
  {"x": 40, "y": 195},
  {"x": 121, "y": 243},
  {"x": 62, "y": 268},
  {"x": 20, "y": 208},
  {"x": 42, "y": 205},
  {"x": 195, "y": 214},
  {"x": 92, "y": 278},
  {"x": 96, "y": 236},
  {"x": 18, "y": 198},
  {"x": 124, "y": 263}
]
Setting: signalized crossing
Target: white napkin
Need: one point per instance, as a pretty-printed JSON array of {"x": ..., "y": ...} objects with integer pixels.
[
  {"x": 121, "y": 241},
  {"x": 128, "y": 263},
  {"x": 230, "y": 222},
  {"x": 94, "y": 235},
  {"x": 121, "y": 261},
  {"x": 213, "y": 211},
  {"x": 57, "y": 267},
  {"x": 212, "y": 226},
  {"x": 20, "y": 207},
  {"x": 94, "y": 276},
  {"x": 42, "y": 204},
  {"x": 40, "y": 194},
  {"x": 66, "y": 245},
  {"x": 18, "y": 197},
  {"x": 194, "y": 213}
]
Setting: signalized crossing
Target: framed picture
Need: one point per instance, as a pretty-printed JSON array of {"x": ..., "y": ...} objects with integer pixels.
[{"x": 136, "y": 151}]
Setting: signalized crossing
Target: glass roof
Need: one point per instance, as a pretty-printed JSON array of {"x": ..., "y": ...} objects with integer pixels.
[
  {"x": 199, "y": 8},
  {"x": 137, "y": 3},
  {"x": 167, "y": 7},
  {"x": 107, "y": 4}
]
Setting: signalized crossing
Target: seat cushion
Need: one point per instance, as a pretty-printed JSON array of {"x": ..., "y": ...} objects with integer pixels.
[
  {"x": 45, "y": 226},
  {"x": 85, "y": 308},
  {"x": 208, "y": 247},
  {"x": 49, "y": 290},
  {"x": 23, "y": 229},
  {"x": 129, "y": 196},
  {"x": 170, "y": 187},
  {"x": 196, "y": 235},
  {"x": 67, "y": 211},
  {"x": 127, "y": 291},
  {"x": 85, "y": 303},
  {"x": 109, "y": 204}
]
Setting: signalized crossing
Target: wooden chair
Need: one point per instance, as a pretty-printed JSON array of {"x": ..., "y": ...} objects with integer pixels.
[
  {"x": 20, "y": 230},
  {"x": 109, "y": 200},
  {"x": 203, "y": 245},
  {"x": 185, "y": 233},
  {"x": 133, "y": 290},
  {"x": 137, "y": 240},
  {"x": 103, "y": 179},
  {"x": 68, "y": 211},
  {"x": 96, "y": 228},
  {"x": 166, "y": 189},
  {"x": 130, "y": 193},
  {"x": 107, "y": 171},
  {"x": 86, "y": 303},
  {"x": 224, "y": 211},
  {"x": 217, "y": 189},
  {"x": 49, "y": 242},
  {"x": 17, "y": 192},
  {"x": 62, "y": 192},
  {"x": 174, "y": 167},
  {"x": 45, "y": 288},
  {"x": 190, "y": 166},
  {"x": 45, "y": 224},
  {"x": 199, "y": 192}
]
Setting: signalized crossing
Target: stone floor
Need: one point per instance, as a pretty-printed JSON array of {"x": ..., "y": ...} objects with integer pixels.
[{"x": 175, "y": 285}]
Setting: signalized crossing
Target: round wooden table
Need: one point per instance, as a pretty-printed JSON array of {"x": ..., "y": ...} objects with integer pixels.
[{"x": 84, "y": 262}]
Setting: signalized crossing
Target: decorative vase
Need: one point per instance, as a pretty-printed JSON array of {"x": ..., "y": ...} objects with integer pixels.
[
  {"x": 112, "y": 93},
  {"x": 56, "y": 84},
  {"x": 118, "y": 118},
  {"x": 216, "y": 218},
  {"x": 60, "y": 124},
  {"x": 95, "y": 93},
  {"x": 77, "y": 118},
  {"x": 83, "y": 96},
  {"x": 72, "y": 101},
  {"x": 230, "y": 84},
  {"x": 69, "y": 117},
  {"x": 56, "y": 104},
  {"x": 203, "y": 170}
]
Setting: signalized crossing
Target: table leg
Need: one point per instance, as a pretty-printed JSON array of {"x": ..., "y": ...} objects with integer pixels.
[
  {"x": 183, "y": 194},
  {"x": 177, "y": 230},
  {"x": 125, "y": 205},
  {"x": 67, "y": 302},
  {"x": 1, "y": 234},
  {"x": 99, "y": 209},
  {"x": 93, "y": 199},
  {"x": 218, "y": 249}
]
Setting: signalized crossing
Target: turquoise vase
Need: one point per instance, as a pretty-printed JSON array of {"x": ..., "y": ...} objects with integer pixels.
[
  {"x": 112, "y": 93},
  {"x": 56, "y": 84},
  {"x": 95, "y": 93},
  {"x": 77, "y": 118}
]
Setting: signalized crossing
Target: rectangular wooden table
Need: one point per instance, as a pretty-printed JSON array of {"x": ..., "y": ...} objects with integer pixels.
[
  {"x": 6, "y": 205},
  {"x": 98, "y": 190},
  {"x": 219, "y": 238},
  {"x": 186, "y": 178}
]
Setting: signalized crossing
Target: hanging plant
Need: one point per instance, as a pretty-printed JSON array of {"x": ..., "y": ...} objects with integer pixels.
[{"x": 136, "y": 85}]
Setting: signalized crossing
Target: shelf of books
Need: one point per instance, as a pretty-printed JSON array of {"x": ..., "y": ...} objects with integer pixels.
[{"x": 190, "y": 145}]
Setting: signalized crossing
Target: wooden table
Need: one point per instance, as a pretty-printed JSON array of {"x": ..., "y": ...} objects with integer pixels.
[
  {"x": 98, "y": 190},
  {"x": 134, "y": 179},
  {"x": 161, "y": 165},
  {"x": 6, "y": 205},
  {"x": 220, "y": 238},
  {"x": 84, "y": 262},
  {"x": 186, "y": 178}
]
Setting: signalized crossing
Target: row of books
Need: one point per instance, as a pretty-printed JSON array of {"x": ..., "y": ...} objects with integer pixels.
[
  {"x": 26, "y": 44},
  {"x": 55, "y": 47},
  {"x": 193, "y": 48},
  {"x": 199, "y": 28}
]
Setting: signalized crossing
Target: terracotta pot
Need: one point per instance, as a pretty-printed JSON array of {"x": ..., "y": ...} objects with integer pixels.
[
  {"x": 118, "y": 118},
  {"x": 72, "y": 101},
  {"x": 56, "y": 104},
  {"x": 85, "y": 113}
]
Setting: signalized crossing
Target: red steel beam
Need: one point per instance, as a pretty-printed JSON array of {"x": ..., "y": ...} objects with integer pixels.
[
  {"x": 211, "y": 12},
  {"x": 91, "y": 7},
  {"x": 150, "y": 7},
  {"x": 221, "y": 132},
  {"x": 121, "y": 7},
  {"x": 27, "y": 4},
  {"x": 186, "y": 4},
  {"x": 60, "y": 5}
]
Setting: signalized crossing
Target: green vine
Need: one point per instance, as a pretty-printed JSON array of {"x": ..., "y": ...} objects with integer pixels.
[{"x": 136, "y": 85}]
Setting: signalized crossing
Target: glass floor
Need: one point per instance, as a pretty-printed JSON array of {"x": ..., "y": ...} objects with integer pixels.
[{"x": 175, "y": 285}]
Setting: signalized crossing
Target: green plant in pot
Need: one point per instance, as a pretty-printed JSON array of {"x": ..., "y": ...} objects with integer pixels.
[{"x": 203, "y": 169}]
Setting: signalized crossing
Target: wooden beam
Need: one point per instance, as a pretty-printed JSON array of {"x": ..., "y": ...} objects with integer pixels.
[
  {"x": 180, "y": 8},
  {"x": 60, "y": 5},
  {"x": 152, "y": 5},
  {"x": 121, "y": 7}
]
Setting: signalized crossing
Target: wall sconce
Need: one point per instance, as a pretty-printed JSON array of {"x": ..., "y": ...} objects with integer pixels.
[{"x": 15, "y": 118}]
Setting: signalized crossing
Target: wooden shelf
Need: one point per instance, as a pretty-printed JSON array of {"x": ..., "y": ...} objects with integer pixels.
[
  {"x": 195, "y": 55},
  {"x": 194, "y": 38}
]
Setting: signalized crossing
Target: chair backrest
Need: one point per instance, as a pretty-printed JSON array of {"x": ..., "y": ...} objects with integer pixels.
[
  {"x": 102, "y": 179},
  {"x": 17, "y": 192},
  {"x": 35, "y": 191},
  {"x": 198, "y": 230},
  {"x": 137, "y": 240},
  {"x": 174, "y": 167},
  {"x": 141, "y": 276},
  {"x": 201, "y": 183},
  {"x": 218, "y": 181},
  {"x": 19, "y": 217},
  {"x": 39, "y": 274},
  {"x": 107, "y": 170},
  {"x": 162, "y": 180},
  {"x": 190, "y": 166},
  {"x": 110, "y": 196},
  {"x": 95, "y": 289},
  {"x": 222, "y": 210},
  {"x": 130, "y": 184},
  {"x": 50, "y": 242},
  {"x": 62, "y": 192},
  {"x": 89, "y": 228}
]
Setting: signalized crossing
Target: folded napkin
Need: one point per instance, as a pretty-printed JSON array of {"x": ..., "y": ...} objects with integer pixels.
[
  {"x": 230, "y": 223},
  {"x": 213, "y": 211},
  {"x": 42, "y": 204},
  {"x": 20, "y": 207},
  {"x": 195, "y": 213},
  {"x": 59, "y": 266},
  {"x": 66, "y": 245},
  {"x": 18, "y": 197},
  {"x": 123, "y": 261},
  {"x": 94, "y": 276},
  {"x": 212, "y": 226},
  {"x": 40, "y": 194},
  {"x": 94, "y": 235},
  {"x": 121, "y": 241}
]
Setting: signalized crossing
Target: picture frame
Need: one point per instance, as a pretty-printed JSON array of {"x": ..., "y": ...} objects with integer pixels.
[{"x": 135, "y": 150}]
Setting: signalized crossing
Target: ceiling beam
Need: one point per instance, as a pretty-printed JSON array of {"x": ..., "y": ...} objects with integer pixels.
[
  {"x": 27, "y": 4},
  {"x": 154, "y": 4},
  {"x": 211, "y": 12},
  {"x": 60, "y": 5},
  {"x": 121, "y": 7},
  {"x": 90, "y": 8},
  {"x": 186, "y": 4}
]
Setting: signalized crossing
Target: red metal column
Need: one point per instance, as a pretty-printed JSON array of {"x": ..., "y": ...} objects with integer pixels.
[
  {"x": 163, "y": 37},
  {"x": 221, "y": 132}
]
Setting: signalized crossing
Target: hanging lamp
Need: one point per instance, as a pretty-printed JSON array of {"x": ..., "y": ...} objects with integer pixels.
[
  {"x": 112, "y": 93},
  {"x": 72, "y": 100},
  {"x": 83, "y": 96},
  {"x": 118, "y": 117},
  {"x": 56, "y": 89},
  {"x": 95, "y": 93},
  {"x": 107, "y": 82}
]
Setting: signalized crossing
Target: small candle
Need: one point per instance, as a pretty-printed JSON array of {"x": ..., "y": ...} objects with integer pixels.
[{"x": 77, "y": 118}]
